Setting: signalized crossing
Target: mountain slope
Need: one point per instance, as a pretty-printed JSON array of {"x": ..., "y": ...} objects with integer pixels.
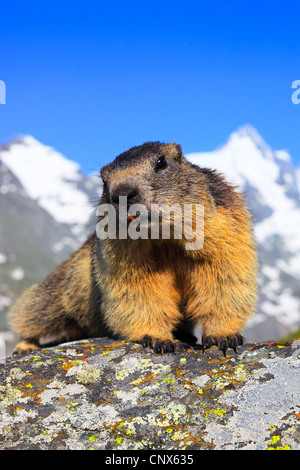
[
  {"x": 272, "y": 189},
  {"x": 39, "y": 188},
  {"x": 55, "y": 182}
]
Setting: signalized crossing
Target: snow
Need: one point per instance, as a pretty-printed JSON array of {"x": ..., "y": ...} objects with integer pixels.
[
  {"x": 49, "y": 178},
  {"x": 64, "y": 242},
  {"x": 283, "y": 155},
  {"x": 286, "y": 308},
  {"x": 297, "y": 174},
  {"x": 273, "y": 286},
  {"x": 8, "y": 188},
  {"x": 5, "y": 302},
  {"x": 3, "y": 258},
  {"x": 292, "y": 267},
  {"x": 17, "y": 274},
  {"x": 240, "y": 159}
]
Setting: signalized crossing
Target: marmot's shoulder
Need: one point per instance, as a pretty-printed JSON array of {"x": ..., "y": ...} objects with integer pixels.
[{"x": 221, "y": 191}]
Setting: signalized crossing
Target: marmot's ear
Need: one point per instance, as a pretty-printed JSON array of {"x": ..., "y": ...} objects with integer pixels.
[
  {"x": 104, "y": 172},
  {"x": 175, "y": 151}
]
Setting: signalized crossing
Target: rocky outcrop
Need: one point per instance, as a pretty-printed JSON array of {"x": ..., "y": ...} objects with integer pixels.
[{"x": 103, "y": 394}]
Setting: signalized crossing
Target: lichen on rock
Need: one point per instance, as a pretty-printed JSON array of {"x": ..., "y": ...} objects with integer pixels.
[{"x": 104, "y": 394}]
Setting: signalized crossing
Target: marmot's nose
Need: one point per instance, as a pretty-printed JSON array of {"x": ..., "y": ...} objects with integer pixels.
[{"x": 124, "y": 190}]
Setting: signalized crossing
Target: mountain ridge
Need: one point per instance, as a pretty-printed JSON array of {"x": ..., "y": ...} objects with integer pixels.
[{"x": 57, "y": 183}]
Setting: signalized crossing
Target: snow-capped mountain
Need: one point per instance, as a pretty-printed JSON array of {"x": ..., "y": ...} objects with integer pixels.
[
  {"x": 56, "y": 183},
  {"x": 45, "y": 206},
  {"x": 272, "y": 188}
]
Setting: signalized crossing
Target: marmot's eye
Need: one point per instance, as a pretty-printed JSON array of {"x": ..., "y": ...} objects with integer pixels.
[{"x": 161, "y": 163}]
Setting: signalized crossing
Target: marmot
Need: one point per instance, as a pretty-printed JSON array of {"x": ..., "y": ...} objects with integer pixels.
[{"x": 145, "y": 290}]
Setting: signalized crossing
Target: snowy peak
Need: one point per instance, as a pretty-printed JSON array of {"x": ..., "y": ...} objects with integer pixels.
[
  {"x": 248, "y": 161},
  {"x": 9, "y": 183},
  {"x": 49, "y": 178},
  {"x": 247, "y": 138}
]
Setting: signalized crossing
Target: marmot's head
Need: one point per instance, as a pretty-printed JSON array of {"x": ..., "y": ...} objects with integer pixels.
[
  {"x": 148, "y": 174},
  {"x": 154, "y": 181},
  {"x": 154, "y": 175}
]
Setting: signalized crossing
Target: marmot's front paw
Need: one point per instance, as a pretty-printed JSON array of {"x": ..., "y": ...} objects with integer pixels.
[
  {"x": 223, "y": 342},
  {"x": 158, "y": 346},
  {"x": 25, "y": 347}
]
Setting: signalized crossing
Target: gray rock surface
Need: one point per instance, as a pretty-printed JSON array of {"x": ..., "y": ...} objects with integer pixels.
[{"x": 105, "y": 394}]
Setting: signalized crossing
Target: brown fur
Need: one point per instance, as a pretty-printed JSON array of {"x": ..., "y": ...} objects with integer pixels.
[{"x": 143, "y": 290}]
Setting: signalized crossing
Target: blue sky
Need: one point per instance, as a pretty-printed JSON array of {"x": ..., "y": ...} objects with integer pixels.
[{"x": 95, "y": 78}]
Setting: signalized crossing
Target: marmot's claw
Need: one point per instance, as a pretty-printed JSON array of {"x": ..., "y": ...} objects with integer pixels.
[
  {"x": 223, "y": 343},
  {"x": 158, "y": 346},
  {"x": 234, "y": 341},
  {"x": 146, "y": 341},
  {"x": 161, "y": 347},
  {"x": 208, "y": 342}
]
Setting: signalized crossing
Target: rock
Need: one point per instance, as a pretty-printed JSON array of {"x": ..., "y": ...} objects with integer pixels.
[{"x": 104, "y": 394}]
